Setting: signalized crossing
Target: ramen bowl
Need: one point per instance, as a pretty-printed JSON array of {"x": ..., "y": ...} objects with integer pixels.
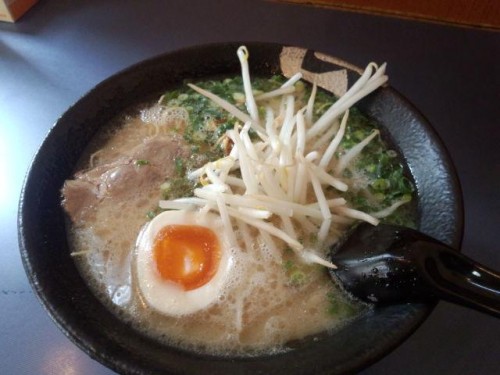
[{"x": 110, "y": 340}]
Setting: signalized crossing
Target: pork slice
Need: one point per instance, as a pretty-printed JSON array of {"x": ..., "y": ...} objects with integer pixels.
[
  {"x": 80, "y": 197},
  {"x": 123, "y": 178}
]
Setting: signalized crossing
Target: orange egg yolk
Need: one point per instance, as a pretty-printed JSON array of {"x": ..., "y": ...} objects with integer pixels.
[{"x": 187, "y": 255}]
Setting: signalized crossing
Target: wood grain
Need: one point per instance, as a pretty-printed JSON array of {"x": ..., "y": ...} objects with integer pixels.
[{"x": 477, "y": 13}]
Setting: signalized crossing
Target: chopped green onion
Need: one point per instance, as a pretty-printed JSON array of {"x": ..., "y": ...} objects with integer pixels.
[
  {"x": 381, "y": 184},
  {"x": 141, "y": 162},
  {"x": 297, "y": 278},
  {"x": 179, "y": 166}
]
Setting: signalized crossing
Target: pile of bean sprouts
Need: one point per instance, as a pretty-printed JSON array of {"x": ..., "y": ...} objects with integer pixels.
[{"x": 284, "y": 169}]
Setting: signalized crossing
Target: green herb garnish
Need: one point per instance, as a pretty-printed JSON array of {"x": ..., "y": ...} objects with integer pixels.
[{"x": 141, "y": 162}]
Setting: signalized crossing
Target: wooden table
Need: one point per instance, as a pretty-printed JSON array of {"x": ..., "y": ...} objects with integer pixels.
[{"x": 475, "y": 13}]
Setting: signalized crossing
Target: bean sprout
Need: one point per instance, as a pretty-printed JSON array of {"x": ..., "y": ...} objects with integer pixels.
[{"x": 285, "y": 173}]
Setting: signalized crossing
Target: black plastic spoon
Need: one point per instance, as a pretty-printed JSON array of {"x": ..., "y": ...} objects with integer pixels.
[{"x": 388, "y": 264}]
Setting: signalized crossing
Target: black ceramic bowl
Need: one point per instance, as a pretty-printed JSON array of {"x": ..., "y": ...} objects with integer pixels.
[{"x": 103, "y": 336}]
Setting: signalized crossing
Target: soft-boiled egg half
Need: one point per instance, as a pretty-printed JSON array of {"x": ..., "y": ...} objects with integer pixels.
[{"x": 183, "y": 261}]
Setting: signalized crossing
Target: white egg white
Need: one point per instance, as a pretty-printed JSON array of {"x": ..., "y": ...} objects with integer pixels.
[{"x": 165, "y": 296}]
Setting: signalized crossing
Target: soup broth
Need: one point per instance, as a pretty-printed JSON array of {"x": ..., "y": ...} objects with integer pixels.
[{"x": 271, "y": 297}]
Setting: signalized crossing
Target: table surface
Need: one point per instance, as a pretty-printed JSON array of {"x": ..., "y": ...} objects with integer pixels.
[{"x": 61, "y": 49}]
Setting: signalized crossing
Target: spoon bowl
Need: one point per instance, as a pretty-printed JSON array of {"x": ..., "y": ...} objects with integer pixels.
[{"x": 389, "y": 264}]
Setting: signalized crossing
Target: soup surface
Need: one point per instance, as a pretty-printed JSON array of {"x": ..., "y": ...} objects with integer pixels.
[{"x": 270, "y": 296}]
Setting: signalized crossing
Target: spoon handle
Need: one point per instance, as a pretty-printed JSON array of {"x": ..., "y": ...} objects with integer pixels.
[{"x": 457, "y": 278}]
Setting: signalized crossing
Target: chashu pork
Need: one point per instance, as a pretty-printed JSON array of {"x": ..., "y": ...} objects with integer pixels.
[{"x": 136, "y": 171}]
